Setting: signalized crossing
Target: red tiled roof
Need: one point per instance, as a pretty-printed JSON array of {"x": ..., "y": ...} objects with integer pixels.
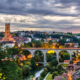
[
  {"x": 65, "y": 75},
  {"x": 58, "y": 78},
  {"x": 67, "y": 61},
  {"x": 70, "y": 65},
  {"x": 76, "y": 67}
]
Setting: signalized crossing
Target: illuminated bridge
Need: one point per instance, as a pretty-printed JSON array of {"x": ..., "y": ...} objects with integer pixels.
[{"x": 56, "y": 50}]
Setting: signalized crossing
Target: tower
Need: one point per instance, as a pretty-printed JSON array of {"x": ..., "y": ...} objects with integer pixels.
[{"x": 7, "y": 30}]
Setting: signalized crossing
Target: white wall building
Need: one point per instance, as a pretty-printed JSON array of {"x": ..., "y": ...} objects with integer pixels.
[
  {"x": 67, "y": 39},
  {"x": 32, "y": 35},
  {"x": 78, "y": 37},
  {"x": 22, "y": 33},
  {"x": 37, "y": 39},
  {"x": 55, "y": 39},
  {"x": 10, "y": 45},
  {"x": 28, "y": 40}
]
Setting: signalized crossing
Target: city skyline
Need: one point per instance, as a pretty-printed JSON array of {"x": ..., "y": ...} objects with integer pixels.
[{"x": 45, "y": 15}]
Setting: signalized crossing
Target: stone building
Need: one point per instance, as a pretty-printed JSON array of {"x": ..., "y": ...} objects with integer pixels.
[{"x": 7, "y": 30}]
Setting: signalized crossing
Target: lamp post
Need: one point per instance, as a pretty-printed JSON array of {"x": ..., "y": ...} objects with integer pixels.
[
  {"x": 58, "y": 45},
  {"x": 45, "y": 46},
  {"x": 33, "y": 45}
]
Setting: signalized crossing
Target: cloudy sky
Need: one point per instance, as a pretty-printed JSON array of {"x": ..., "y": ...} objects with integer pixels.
[{"x": 41, "y": 15}]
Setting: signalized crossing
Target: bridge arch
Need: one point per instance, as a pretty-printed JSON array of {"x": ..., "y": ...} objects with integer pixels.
[
  {"x": 39, "y": 56},
  {"x": 64, "y": 55},
  {"x": 27, "y": 54},
  {"x": 75, "y": 55},
  {"x": 50, "y": 55}
]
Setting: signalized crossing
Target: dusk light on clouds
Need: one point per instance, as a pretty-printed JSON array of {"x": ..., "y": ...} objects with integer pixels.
[{"x": 41, "y": 15}]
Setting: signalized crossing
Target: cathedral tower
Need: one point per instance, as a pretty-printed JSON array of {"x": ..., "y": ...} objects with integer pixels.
[{"x": 7, "y": 30}]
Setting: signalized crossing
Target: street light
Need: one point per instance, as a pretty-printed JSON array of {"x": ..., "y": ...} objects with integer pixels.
[
  {"x": 45, "y": 45},
  {"x": 33, "y": 45},
  {"x": 53, "y": 47}
]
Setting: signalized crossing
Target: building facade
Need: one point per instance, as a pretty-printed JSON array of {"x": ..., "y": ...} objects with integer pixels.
[{"x": 7, "y": 30}]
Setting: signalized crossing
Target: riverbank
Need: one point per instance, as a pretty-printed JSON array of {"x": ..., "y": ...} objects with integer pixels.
[{"x": 35, "y": 73}]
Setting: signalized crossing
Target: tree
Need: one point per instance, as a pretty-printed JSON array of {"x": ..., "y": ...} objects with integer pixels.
[
  {"x": 50, "y": 45},
  {"x": 78, "y": 78},
  {"x": 17, "y": 60},
  {"x": 54, "y": 74},
  {"x": 61, "y": 72},
  {"x": 26, "y": 70},
  {"x": 28, "y": 63},
  {"x": 25, "y": 52},
  {"x": 9, "y": 68},
  {"x": 49, "y": 57},
  {"x": 9, "y": 52},
  {"x": 48, "y": 67},
  {"x": 54, "y": 62},
  {"x": 15, "y": 50},
  {"x": 53, "y": 69},
  {"x": 1, "y": 35},
  {"x": 45, "y": 69},
  {"x": 43, "y": 74},
  {"x": 50, "y": 42},
  {"x": 79, "y": 57},
  {"x": 60, "y": 59},
  {"x": 42, "y": 40},
  {"x": 62, "y": 41},
  {"x": 60, "y": 67},
  {"x": 38, "y": 56},
  {"x": 44, "y": 45},
  {"x": 66, "y": 56},
  {"x": 38, "y": 43},
  {"x": 33, "y": 64},
  {"x": 41, "y": 78},
  {"x": 2, "y": 56}
]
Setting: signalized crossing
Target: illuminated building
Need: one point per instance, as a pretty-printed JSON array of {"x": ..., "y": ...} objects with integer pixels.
[
  {"x": 7, "y": 35},
  {"x": 8, "y": 40},
  {"x": 7, "y": 30}
]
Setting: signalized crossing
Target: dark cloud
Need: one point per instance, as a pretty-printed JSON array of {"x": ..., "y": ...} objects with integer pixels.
[{"x": 43, "y": 7}]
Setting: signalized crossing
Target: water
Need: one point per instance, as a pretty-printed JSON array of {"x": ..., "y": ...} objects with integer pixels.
[{"x": 37, "y": 74}]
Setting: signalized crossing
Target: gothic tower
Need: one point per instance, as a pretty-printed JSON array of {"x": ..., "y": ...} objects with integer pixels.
[{"x": 7, "y": 30}]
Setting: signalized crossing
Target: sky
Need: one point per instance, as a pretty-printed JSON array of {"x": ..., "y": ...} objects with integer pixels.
[{"x": 41, "y": 15}]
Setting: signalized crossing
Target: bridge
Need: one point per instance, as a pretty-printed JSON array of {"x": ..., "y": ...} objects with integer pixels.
[{"x": 57, "y": 51}]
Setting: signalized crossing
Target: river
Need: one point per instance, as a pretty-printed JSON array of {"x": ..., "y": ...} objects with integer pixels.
[{"x": 37, "y": 74}]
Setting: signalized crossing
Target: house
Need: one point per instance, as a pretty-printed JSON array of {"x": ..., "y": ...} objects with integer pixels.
[
  {"x": 27, "y": 39},
  {"x": 66, "y": 61},
  {"x": 78, "y": 37},
  {"x": 37, "y": 39},
  {"x": 55, "y": 39},
  {"x": 10, "y": 44},
  {"x": 72, "y": 45},
  {"x": 48, "y": 39},
  {"x": 61, "y": 37},
  {"x": 22, "y": 34},
  {"x": 68, "y": 40},
  {"x": 32, "y": 35},
  {"x": 64, "y": 75},
  {"x": 73, "y": 67}
]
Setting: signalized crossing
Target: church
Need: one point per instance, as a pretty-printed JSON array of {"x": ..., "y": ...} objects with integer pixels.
[
  {"x": 7, "y": 35},
  {"x": 8, "y": 40}
]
